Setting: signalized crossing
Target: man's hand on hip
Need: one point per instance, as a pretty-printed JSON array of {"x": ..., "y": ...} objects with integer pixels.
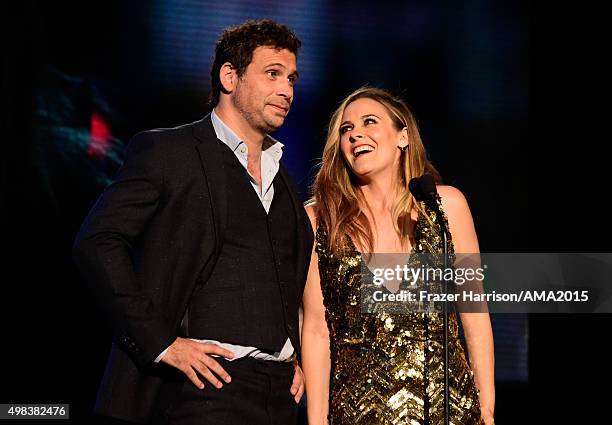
[{"x": 190, "y": 357}]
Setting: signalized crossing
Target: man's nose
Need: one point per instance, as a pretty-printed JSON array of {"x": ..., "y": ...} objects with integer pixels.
[{"x": 285, "y": 90}]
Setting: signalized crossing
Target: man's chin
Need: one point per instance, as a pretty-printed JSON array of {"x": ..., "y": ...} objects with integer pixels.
[{"x": 274, "y": 124}]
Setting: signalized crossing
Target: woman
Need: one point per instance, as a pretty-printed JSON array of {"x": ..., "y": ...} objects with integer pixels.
[{"x": 388, "y": 368}]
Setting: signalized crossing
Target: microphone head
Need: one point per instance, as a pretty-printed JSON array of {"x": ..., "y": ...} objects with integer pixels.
[
  {"x": 415, "y": 188},
  {"x": 423, "y": 188},
  {"x": 428, "y": 185}
]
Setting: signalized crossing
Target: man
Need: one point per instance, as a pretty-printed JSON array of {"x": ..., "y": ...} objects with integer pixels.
[{"x": 199, "y": 252}]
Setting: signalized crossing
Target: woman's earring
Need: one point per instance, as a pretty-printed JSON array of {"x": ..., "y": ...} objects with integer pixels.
[{"x": 403, "y": 148}]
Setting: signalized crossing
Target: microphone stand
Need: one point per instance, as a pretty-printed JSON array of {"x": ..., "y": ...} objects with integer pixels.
[
  {"x": 445, "y": 324},
  {"x": 424, "y": 189},
  {"x": 434, "y": 205}
]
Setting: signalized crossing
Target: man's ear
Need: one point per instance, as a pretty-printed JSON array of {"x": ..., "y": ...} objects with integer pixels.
[{"x": 228, "y": 77}]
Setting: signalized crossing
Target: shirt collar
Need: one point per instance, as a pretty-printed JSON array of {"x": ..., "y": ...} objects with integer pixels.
[{"x": 227, "y": 136}]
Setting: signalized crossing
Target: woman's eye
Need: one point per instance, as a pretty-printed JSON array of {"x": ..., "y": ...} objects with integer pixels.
[
  {"x": 369, "y": 121},
  {"x": 344, "y": 129}
]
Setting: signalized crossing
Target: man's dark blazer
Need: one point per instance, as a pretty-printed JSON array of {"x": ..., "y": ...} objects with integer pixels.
[{"x": 152, "y": 233}]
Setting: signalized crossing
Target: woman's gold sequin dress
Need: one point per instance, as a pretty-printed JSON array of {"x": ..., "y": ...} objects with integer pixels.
[{"x": 387, "y": 368}]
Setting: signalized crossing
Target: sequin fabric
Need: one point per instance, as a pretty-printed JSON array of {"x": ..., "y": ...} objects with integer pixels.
[{"x": 387, "y": 368}]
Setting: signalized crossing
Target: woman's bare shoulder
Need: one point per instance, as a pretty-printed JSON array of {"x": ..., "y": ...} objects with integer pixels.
[
  {"x": 310, "y": 207},
  {"x": 453, "y": 200}
]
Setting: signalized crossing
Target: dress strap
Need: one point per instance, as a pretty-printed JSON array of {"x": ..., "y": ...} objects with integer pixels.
[{"x": 427, "y": 232}]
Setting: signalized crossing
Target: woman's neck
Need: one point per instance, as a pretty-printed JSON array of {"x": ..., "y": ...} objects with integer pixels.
[{"x": 379, "y": 194}]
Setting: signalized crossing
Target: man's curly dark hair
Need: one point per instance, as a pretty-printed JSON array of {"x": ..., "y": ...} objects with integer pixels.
[{"x": 237, "y": 44}]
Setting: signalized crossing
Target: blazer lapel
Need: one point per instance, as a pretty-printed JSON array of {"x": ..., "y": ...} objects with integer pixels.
[
  {"x": 212, "y": 165},
  {"x": 304, "y": 230}
]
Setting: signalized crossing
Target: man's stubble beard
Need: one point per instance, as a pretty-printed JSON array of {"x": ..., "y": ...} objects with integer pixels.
[{"x": 256, "y": 119}]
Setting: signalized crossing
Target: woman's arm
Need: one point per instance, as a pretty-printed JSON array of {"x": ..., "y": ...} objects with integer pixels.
[
  {"x": 316, "y": 361},
  {"x": 476, "y": 326}
]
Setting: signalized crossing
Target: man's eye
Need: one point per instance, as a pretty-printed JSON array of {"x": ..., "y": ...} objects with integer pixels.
[
  {"x": 272, "y": 73},
  {"x": 292, "y": 79}
]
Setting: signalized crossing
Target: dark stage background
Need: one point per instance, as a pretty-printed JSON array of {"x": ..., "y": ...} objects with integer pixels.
[{"x": 500, "y": 91}]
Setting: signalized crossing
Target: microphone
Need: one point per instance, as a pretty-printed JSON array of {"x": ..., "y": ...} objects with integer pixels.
[{"x": 424, "y": 189}]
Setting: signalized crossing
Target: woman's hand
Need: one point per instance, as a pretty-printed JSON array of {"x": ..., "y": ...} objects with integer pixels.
[{"x": 487, "y": 416}]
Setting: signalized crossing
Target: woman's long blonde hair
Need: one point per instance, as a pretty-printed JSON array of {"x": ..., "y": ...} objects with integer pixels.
[{"x": 338, "y": 199}]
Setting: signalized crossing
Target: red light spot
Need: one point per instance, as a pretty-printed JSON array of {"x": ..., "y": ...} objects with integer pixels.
[{"x": 99, "y": 141}]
